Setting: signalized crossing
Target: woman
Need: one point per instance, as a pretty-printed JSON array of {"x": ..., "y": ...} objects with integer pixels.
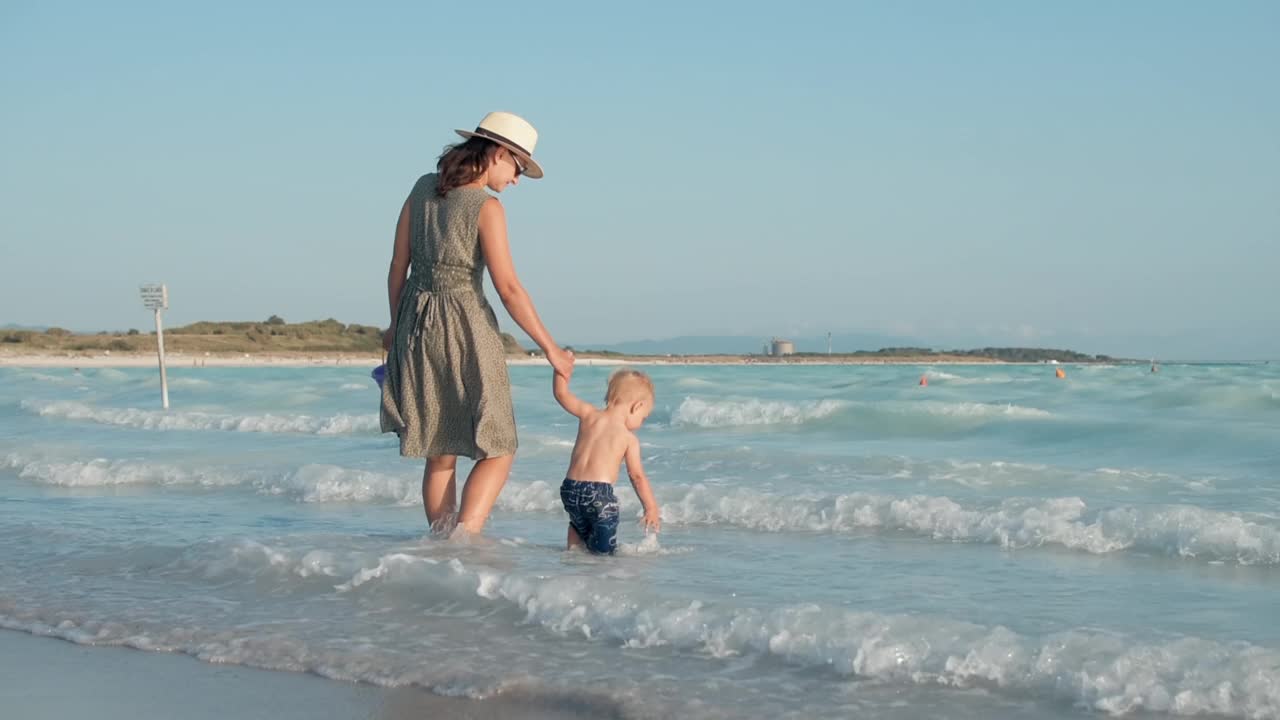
[{"x": 446, "y": 391}]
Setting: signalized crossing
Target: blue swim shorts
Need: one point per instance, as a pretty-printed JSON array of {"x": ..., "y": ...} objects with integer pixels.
[{"x": 593, "y": 513}]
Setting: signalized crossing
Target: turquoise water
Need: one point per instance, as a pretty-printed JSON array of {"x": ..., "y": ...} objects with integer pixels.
[{"x": 837, "y": 540}]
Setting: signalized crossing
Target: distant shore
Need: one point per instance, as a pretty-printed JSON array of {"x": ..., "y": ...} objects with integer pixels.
[
  {"x": 321, "y": 359},
  {"x": 330, "y": 342}
]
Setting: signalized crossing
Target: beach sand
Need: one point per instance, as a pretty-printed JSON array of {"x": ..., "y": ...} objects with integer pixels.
[{"x": 45, "y": 678}]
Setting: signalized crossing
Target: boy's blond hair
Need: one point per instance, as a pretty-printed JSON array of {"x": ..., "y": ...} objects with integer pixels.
[{"x": 628, "y": 385}]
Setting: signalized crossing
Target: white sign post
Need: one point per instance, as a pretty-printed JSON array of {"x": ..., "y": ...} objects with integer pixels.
[{"x": 156, "y": 297}]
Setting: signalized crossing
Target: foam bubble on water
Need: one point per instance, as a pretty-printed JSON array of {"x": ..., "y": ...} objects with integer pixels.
[
  {"x": 698, "y": 412},
  {"x": 540, "y": 441},
  {"x": 395, "y": 563},
  {"x": 649, "y": 545},
  {"x": 1111, "y": 673},
  {"x": 731, "y": 413},
  {"x": 1107, "y": 672},
  {"x": 947, "y": 378},
  {"x": 693, "y": 382},
  {"x": 933, "y": 374},
  {"x": 320, "y": 483},
  {"x": 974, "y": 410},
  {"x": 536, "y": 496},
  {"x": 1184, "y": 531},
  {"x": 101, "y": 472},
  {"x": 1007, "y": 474},
  {"x": 323, "y": 483},
  {"x": 340, "y": 424},
  {"x": 311, "y": 483},
  {"x": 288, "y": 567},
  {"x": 1179, "y": 531}
]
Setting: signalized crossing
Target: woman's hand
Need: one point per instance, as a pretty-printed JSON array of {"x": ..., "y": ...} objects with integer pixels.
[
  {"x": 388, "y": 337},
  {"x": 561, "y": 361}
]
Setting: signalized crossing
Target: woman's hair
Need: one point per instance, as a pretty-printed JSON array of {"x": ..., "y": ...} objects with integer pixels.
[{"x": 462, "y": 163}]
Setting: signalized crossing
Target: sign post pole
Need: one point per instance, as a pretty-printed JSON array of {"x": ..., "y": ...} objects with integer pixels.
[{"x": 156, "y": 297}]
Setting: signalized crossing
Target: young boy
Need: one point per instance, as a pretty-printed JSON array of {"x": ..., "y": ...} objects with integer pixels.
[{"x": 606, "y": 438}]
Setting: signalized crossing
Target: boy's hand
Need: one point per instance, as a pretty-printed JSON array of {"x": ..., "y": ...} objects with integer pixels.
[{"x": 652, "y": 520}]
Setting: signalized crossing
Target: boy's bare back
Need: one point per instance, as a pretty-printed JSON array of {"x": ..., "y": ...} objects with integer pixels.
[{"x": 600, "y": 448}]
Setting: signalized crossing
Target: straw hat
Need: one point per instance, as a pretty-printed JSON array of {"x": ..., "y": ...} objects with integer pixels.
[{"x": 513, "y": 133}]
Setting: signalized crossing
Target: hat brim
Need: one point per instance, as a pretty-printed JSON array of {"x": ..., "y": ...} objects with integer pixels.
[{"x": 531, "y": 167}]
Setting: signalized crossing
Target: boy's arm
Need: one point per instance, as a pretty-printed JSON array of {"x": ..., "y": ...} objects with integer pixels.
[
  {"x": 572, "y": 404},
  {"x": 640, "y": 481}
]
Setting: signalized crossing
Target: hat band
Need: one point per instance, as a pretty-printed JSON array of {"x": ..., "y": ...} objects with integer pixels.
[{"x": 482, "y": 132}]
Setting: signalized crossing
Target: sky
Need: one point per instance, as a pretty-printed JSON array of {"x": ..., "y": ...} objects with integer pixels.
[{"x": 1097, "y": 176}]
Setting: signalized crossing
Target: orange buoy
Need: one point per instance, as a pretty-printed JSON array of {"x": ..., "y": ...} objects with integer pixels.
[
  {"x": 1060, "y": 373},
  {"x": 924, "y": 381}
]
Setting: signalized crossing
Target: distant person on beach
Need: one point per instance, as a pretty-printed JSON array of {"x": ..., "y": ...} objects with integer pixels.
[
  {"x": 446, "y": 392},
  {"x": 606, "y": 439}
]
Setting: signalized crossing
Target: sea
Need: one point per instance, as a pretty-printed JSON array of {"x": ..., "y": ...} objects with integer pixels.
[{"x": 837, "y": 540}]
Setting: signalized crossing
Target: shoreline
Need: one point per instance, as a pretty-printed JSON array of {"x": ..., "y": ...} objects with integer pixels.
[
  {"x": 178, "y": 360},
  {"x": 51, "y": 679}
]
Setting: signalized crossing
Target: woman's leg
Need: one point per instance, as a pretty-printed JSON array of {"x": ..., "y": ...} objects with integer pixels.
[
  {"x": 481, "y": 491},
  {"x": 440, "y": 491}
]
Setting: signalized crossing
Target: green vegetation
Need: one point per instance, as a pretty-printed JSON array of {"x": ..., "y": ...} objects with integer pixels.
[
  {"x": 272, "y": 335},
  {"x": 1016, "y": 354}
]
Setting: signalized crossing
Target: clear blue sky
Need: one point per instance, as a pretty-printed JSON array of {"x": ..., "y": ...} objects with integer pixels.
[{"x": 1096, "y": 175}]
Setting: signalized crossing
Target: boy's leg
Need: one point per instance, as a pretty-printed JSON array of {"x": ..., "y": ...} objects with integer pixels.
[
  {"x": 573, "y": 541},
  {"x": 579, "y": 528},
  {"x": 603, "y": 539}
]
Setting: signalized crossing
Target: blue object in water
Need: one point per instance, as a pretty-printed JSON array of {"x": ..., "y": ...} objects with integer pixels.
[{"x": 379, "y": 374}]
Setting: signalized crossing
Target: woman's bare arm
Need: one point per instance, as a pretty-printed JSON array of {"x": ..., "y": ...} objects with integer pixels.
[
  {"x": 398, "y": 271},
  {"x": 497, "y": 257}
]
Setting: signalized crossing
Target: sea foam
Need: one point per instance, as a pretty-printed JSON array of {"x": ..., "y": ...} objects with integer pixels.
[{"x": 340, "y": 424}]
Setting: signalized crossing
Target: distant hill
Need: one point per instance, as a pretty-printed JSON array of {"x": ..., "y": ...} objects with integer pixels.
[
  {"x": 844, "y": 346},
  {"x": 15, "y": 326},
  {"x": 276, "y": 335},
  {"x": 271, "y": 335}
]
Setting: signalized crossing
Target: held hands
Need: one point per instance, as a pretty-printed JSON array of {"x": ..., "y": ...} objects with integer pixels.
[{"x": 561, "y": 361}]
